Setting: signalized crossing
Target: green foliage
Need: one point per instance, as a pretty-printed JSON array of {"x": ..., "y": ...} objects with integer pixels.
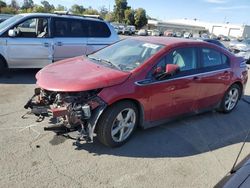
[
  {"x": 8, "y": 10},
  {"x": 122, "y": 13},
  {"x": 2, "y": 4},
  {"x": 47, "y": 7},
  {"x": 129, "y": 16},
  {"x": 61, "y": 8},
  {"x": 109, "y": 17},
  {"x": 77, "y": 9},
  {"x": 91, "y": 11},
  {"x": 28, "y": 4},
  {"x": 140, "y": 18},
  {"x": 119, "y": 10}
]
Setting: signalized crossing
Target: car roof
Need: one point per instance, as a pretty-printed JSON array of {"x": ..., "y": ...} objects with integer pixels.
[
  {"x": 166, "y": 41},
  {"x": 55, "y": 15}
]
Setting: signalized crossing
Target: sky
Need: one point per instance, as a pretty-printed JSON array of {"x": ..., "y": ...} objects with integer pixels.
[{"x": 232, "y": 11}]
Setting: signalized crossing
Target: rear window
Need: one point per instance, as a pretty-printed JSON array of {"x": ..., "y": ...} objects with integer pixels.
[
  {"x": 98, "y": 29},
  {"x": 212, "y": 58}
]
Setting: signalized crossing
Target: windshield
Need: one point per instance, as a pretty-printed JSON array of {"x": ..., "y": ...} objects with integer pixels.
[
  {"x": 9, "y": 21},
  {"x": 128, "y": 54}
]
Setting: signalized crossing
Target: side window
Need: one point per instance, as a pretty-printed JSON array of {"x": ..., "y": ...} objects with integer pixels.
[
  {"x": 32, "y": 28},
  {"x": 61, "y": 28},
  {"x": 78, "y": 28},
  {"x": 212, "y": 58},
  {"x": 98, "y": 29},
  {"x": 70, "y": 28},
  {"x": 185, "y": 58}
]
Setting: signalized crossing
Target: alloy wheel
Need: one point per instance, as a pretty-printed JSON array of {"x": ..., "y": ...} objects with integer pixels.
[{"x": 123, "y": 125}]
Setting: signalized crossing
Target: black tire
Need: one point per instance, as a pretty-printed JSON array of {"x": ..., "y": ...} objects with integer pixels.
[
  {"x": 2, "y": 66},
  {"x": 109, "y": 119},
  {"x": 224, "y": 106}
]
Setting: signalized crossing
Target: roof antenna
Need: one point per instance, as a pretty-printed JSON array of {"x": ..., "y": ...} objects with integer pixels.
[{"x": 233, "y": 170}]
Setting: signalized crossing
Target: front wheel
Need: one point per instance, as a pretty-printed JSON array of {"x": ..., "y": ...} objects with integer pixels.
[
  {"x": 230, "y": 99},
  {"x": 117, "y": 124}
]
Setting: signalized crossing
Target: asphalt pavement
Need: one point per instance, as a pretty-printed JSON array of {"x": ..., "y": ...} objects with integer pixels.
[{"x": 197, "y": 151}]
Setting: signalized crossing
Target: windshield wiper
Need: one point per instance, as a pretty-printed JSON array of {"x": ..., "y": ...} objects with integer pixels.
[
  {"x": 103, "y": 61},
  {"x": 94, "y": 58},
  {"x": 110, "y": 63}
]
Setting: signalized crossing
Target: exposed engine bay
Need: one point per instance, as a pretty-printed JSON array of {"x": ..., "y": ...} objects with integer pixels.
[{"x": 70, "y": 111}]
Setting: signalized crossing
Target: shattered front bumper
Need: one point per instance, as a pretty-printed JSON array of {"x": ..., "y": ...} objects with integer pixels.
[{"x": 87, "y": 116}]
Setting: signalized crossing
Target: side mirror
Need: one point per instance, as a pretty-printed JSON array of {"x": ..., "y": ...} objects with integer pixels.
[
  {"x": 12, "y": 33},
  {"x": 172, "y": 69}
]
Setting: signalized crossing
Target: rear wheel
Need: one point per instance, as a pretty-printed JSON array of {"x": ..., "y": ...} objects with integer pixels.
[
  {"x": 230, "y": 99},
  {"x": 117, "y": 124}
]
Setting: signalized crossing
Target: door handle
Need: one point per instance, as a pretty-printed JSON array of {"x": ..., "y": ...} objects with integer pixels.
[
  {"x": 46, "y": 44},
  {"x": 59, "y": 43}
]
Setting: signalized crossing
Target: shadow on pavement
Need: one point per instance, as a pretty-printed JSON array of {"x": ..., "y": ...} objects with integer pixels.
[
  {"x": 19, "y": 76},
  {"x": 186, "y": 137}
]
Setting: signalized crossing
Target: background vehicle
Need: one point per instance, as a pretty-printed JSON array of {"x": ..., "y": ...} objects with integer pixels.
[
  {"x": 155, "y": 32},
  {"x": 38, "y": 39},
  {"x": 241, "y": 49},
  {"x": 142, "y": 32},
  {"x": 214, "y": 41},
  {"x": 187, "y": 35},
  {"x": 128, "y": 30},
  {"x": 144, "y": 81}
]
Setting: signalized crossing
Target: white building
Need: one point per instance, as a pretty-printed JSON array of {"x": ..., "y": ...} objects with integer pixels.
[{"x": 227, "y": 29}]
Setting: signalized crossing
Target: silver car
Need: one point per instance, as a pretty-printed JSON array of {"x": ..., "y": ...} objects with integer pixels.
[
  {"x": 37, "y": 39},
  {"x": 241, "y": 49}
]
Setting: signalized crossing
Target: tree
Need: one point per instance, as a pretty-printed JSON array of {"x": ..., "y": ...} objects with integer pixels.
[
  {"x": 2, "y": 4},
  {"x": 109, "y": 17},
  {"x": 47, "y": 7},
  {"x": 119, "y": 9},
  {"x": 91, "y": 11},
  {"x": 76, "y": 9},
  {"x": 103, "y": 11},
  {"x": 140, "y": 17},
  {"x": 61, "y": 8},
  {"x": 28, "y": 4},
  {"x": 14, "y": 4},
  {"x": 129, "y": 16}
]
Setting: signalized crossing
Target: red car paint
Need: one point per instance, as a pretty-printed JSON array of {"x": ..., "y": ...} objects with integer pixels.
[
  {"x": 158, "y": 101},
  {"x": 78, "y": 74}
]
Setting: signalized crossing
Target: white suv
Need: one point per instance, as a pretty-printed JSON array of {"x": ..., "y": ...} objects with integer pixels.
[{"x": 38, "y": 39}]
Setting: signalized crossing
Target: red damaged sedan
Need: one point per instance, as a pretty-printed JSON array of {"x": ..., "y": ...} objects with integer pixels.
[{"x": 143, "y": 81}]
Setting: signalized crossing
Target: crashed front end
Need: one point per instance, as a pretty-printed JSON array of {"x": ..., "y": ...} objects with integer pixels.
[{"x": 69, "y": 111}]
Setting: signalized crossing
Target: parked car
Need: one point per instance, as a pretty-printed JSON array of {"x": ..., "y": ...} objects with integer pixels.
[
  {"x": 168, "y": 33},
  {"x": 128, "y": 30},
  {"x": 213, "y": 41},
  {"x": 241, "y": 49},
  {"x": 142, "y": 32},
  {"x": 178, "y": 34},
  {"x": 187, "y": 35},
  {"x": 155, "y": 32},
  {"x": 38, "y": 39},
  {"x": 141, "y": 81},
  {"x": 223, "y": 38}
]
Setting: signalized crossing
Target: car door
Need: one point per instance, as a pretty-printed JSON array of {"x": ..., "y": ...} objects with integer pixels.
[
  {"x": 70, "y": 37},
  {"x": 214, "y": 77},
  {"x": 32, "y": 46},
  {"x": 176, "y": 94}
]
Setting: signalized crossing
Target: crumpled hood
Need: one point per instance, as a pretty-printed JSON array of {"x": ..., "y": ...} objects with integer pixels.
[{"x": 78, "y": 74}]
